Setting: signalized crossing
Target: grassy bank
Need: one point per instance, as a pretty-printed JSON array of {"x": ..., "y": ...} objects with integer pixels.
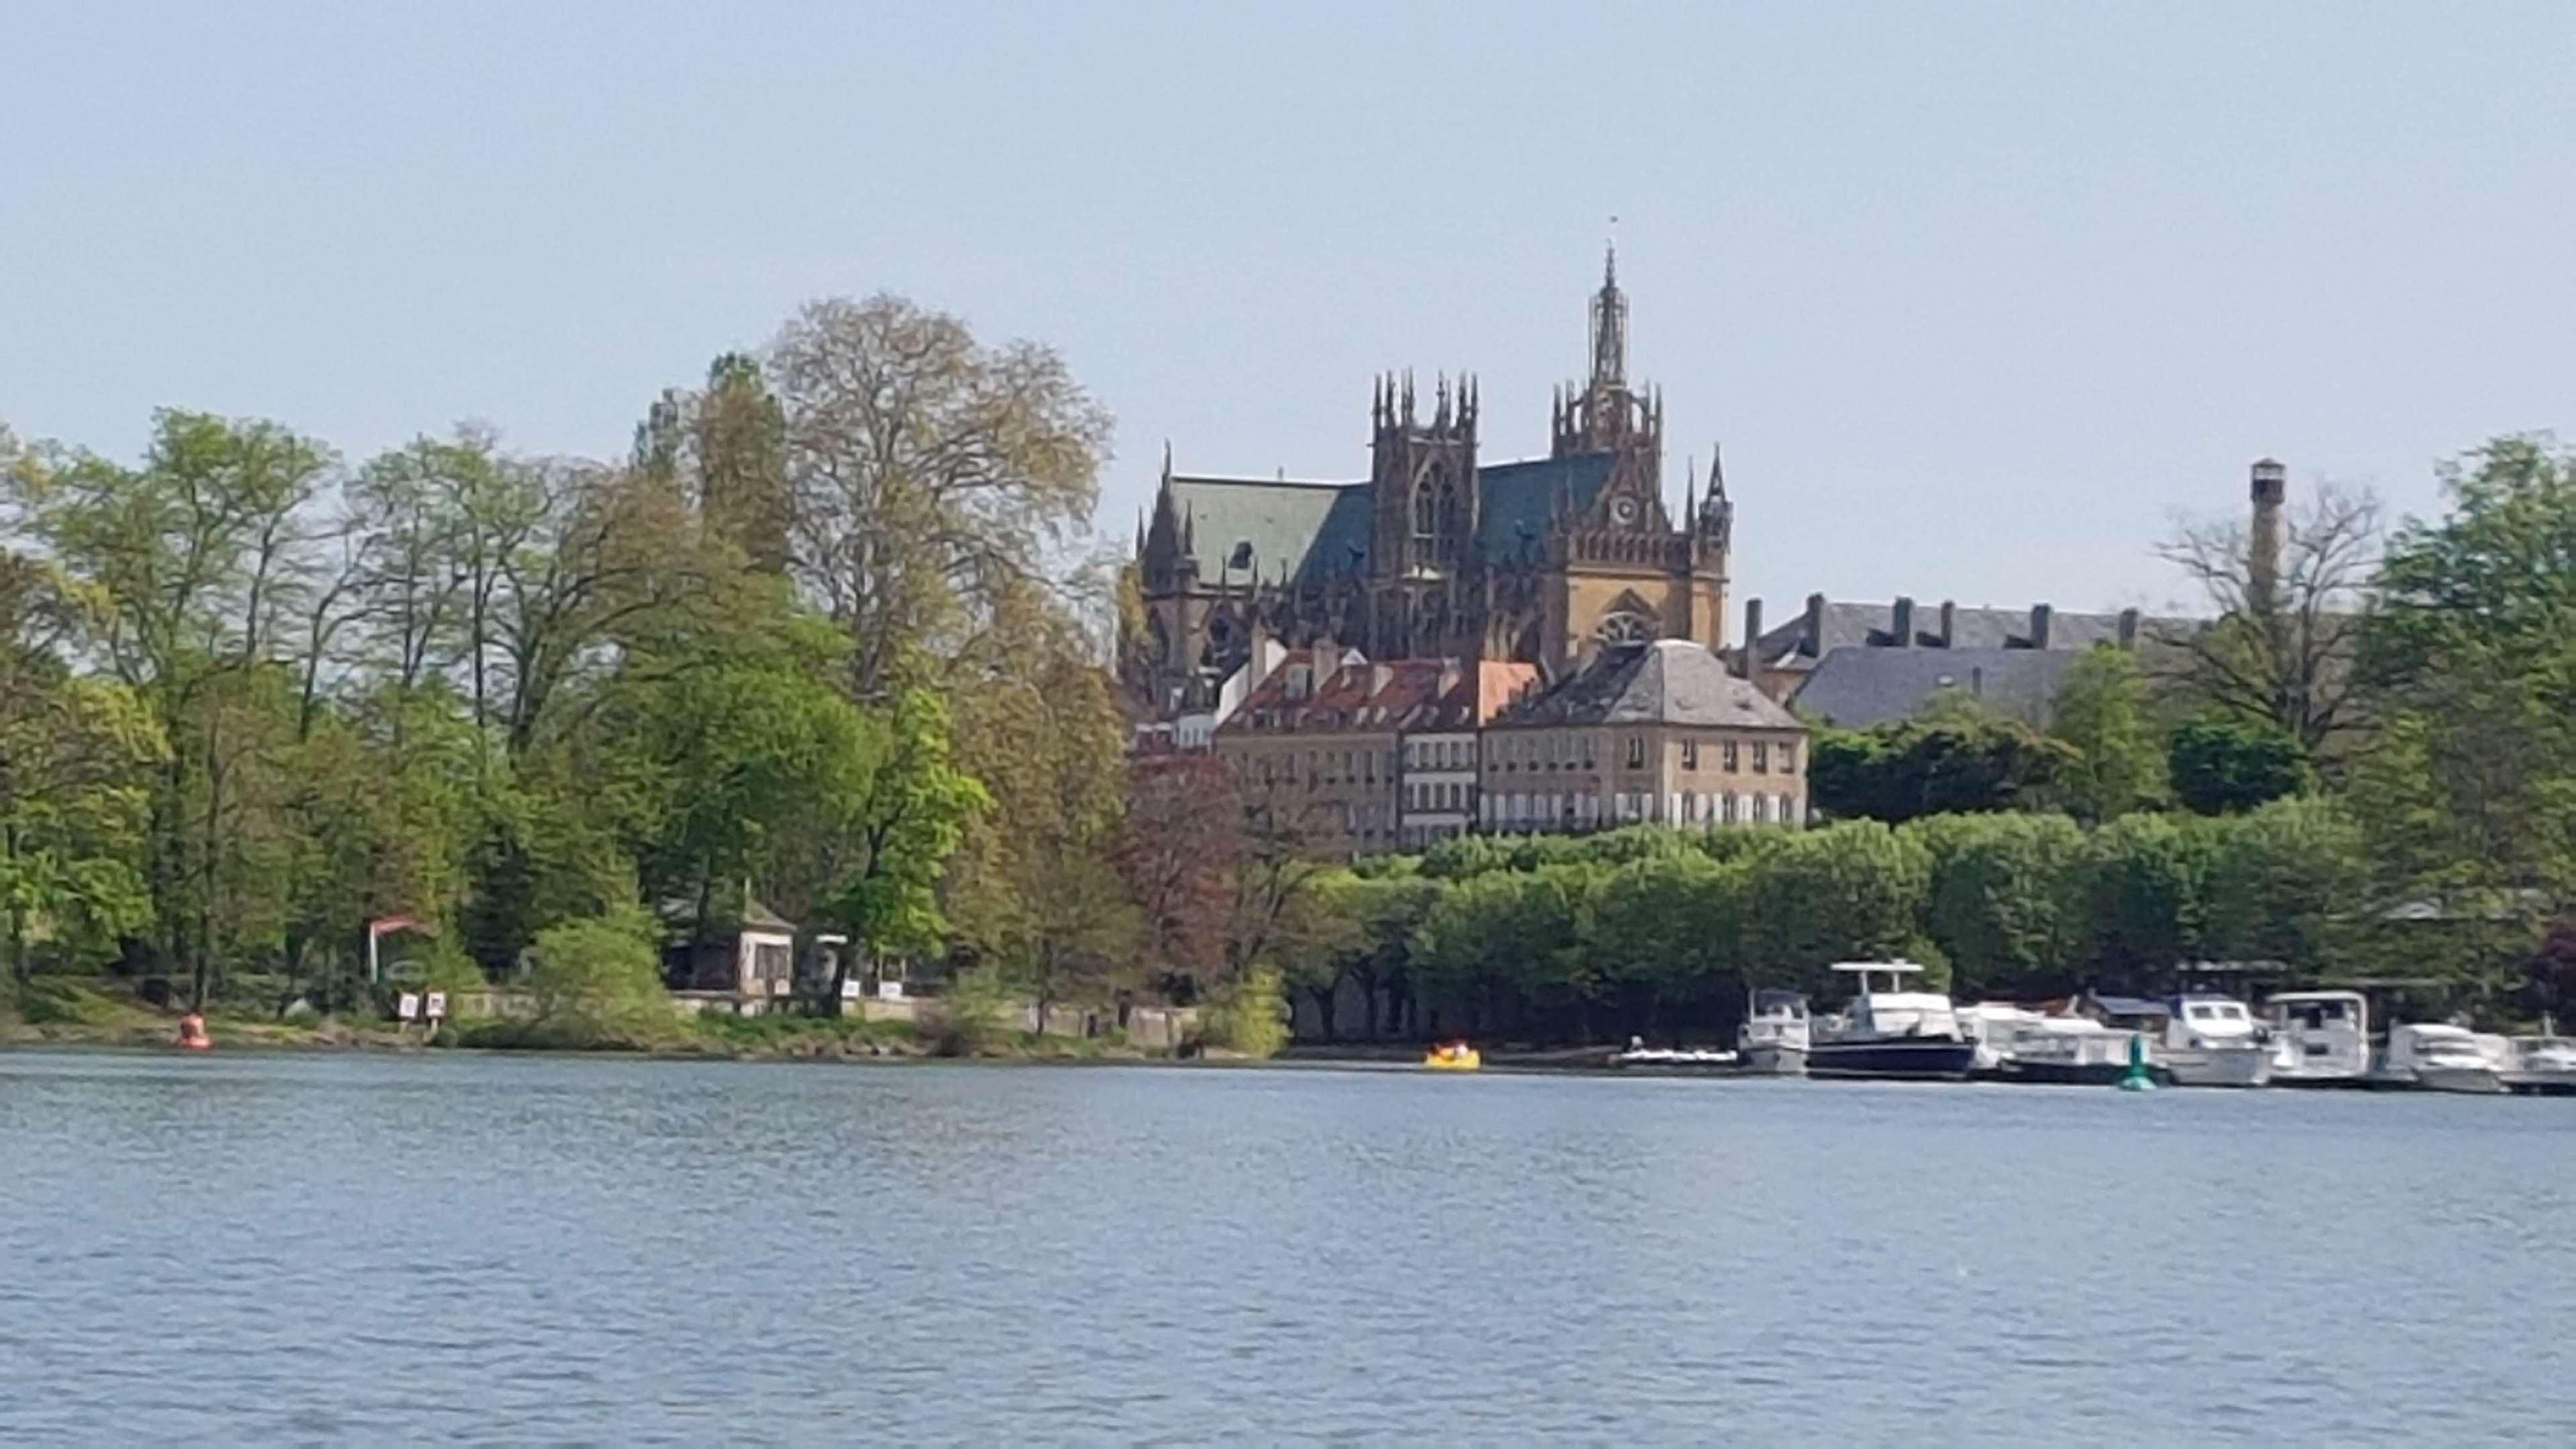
[{"x": 58, "y": 1011}]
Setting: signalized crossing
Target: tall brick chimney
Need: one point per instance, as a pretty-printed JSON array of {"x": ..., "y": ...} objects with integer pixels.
[
  {"x": 1949, "y": 623},
  {"x": 1900, "y": 622},
  {"x": 1815, "y": 631},
  {"x": 2043, "y": 621},
  {"x": 1753, "y": 642},
  {"x": 2271, "y": 491}
]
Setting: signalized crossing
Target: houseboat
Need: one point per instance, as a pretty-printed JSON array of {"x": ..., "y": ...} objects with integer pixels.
[
  {"x": 2319, "y": 1038},
  {"x": 1888, "y": 1031}
]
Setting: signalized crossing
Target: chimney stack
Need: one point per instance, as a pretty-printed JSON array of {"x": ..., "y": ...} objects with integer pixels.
[
  {"x": 2128, "y": 628},
  {"x": 1949, "y": 623},
  {"x": 2042, "y": 621},
  {"x": 1752, "y": 670},
  {"x": 1901, "y": 623},
  {"x": 1815, "y": 640},
  {"x": 2270, "y": 491}
]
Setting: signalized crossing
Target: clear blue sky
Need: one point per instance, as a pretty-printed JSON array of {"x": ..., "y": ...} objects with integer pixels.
[{"x": 1976, "y": 295}]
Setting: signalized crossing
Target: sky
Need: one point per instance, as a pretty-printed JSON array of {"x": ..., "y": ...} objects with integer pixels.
[{"x": 1977, "y": 297}]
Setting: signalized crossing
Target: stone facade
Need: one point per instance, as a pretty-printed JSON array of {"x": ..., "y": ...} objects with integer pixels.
[
  {"x": 1657, "y": 733},
  {"x": 1344, "y": 757},
  {"x": 1438, "y": 554}
]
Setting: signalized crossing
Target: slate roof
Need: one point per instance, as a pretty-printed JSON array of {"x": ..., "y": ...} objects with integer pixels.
[
  {"x": 1314, "y": 531},
  {"x": 1670, "y": 681},
  {"x": 1873, "y": 624},
  {"x": 1307, "y": 530},
  {"x": 1391, "y": 694},
  {"x": 1856, "y": 686}
]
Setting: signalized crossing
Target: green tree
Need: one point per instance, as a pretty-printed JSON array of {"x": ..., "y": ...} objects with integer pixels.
[
  {"x": 2117, "y": 764},
  {"x": 2006, "y": 900},
  {"x": 2474, "y": 649},
  {"x": 2289, "y": 882},
  {"x": 1848, "y": 891},
  {"x": 898, "y": 838},
  {"x": 1956, "y": 760},
  {"x": 2149, "y": 898},
  {"x": 2219, "y": 766}
]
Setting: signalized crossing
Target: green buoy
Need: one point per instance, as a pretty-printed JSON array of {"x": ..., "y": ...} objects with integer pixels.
[{"x": 2137, "y": 1078}]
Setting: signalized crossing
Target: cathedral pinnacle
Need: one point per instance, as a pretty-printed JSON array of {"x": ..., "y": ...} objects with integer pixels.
[{"x": 1609, "y": 329}]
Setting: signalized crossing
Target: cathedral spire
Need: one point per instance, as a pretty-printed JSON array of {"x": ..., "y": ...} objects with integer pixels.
[{"x": 1609, "y": 328}]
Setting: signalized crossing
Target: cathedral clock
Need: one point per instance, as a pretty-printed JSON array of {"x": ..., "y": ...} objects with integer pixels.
[{"x": 1624, "y": 511}]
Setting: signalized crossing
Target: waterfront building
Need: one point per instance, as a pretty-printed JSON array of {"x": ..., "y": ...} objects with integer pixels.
[
  {"x": 1659, "y": 732},
  {"x": 1341, "y": 756}
]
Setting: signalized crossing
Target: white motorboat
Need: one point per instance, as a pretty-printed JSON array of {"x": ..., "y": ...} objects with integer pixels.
[
  {"x": 2214, "y": 1041},
  {"x": 1888, "y": 1031},
  {"x": 1995, "y": 1026},
  {"x": 2319, "y": 1038},
  {"x": 2442, "y": 1059},
  {"x": 1775, "y": 1035},
  {"x": 2068, "y": 1049},
  {"x": 1639, "y": 1054},
  {"x": 2542, "y": 1066}
]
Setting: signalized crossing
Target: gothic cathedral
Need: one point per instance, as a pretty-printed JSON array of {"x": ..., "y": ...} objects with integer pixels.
[{"x": 1437, "y": 554}]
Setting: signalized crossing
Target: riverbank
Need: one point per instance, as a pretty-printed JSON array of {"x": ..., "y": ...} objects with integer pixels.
[{"x": 69, "y": 1014}]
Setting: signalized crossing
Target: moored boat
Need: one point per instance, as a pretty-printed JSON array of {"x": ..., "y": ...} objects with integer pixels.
[
  {"x": 1455, "y": 1056},
  {"x": 2319, "y": 1038},
  {"x": 2442, "y": 1058},
  {"x": 2542, "y": 1066},
  {"x": 1891, "y": 1032},
  {"x": 2214, "y": 1041},
  {"x": 2070, "y": 1050},
  {"x": 1776, "y": 1035}
]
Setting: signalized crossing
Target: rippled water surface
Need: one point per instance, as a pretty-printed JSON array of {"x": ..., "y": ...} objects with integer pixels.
[{"x": 331, "y": 1248}]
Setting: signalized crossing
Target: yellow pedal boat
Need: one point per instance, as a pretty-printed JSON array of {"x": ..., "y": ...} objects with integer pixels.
[{"x": 1456, "y": 1057}]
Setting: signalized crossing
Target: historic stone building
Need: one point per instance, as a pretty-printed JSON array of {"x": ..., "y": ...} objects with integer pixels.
[{"x": 1439, "y": 554}]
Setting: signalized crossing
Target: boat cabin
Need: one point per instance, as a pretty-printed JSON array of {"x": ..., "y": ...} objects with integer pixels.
[
  {"x": 1882, "y": 1007},
  {"x": 2320, "y": 1035}
]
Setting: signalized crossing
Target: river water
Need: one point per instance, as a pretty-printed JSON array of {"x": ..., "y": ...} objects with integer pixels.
[{"x": 331, "y": 1248}]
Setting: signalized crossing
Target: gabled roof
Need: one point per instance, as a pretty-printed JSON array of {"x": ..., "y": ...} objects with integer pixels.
[{"x": 1670, "y": 681}]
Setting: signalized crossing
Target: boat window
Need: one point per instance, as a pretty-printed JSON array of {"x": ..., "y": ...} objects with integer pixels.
[{"x": 2204, "y": 1013}]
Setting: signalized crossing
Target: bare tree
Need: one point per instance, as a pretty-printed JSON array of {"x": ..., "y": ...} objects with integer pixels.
[{"x": 2281, "y": 643}]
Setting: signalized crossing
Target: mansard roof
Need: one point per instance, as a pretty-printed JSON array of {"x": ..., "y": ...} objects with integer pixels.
[
  {"x": 1308, "y": 531},
  {"x": 1670, "y": 681},
  {"x": 1831, "y": 624},
  {"x": 1856, "y": 687}
]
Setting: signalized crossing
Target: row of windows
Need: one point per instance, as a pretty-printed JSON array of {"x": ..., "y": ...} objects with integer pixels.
[
  {"x": 1550, "y": 755},
  {"x": 1440, "y": 755},
  {"x": 1544, "y": 811},
  {"x": 1436, "y": 795}
]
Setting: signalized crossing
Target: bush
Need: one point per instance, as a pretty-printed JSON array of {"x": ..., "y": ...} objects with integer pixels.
[
  {"x": 598, "y": 983},
  {"x": 1250, "y": 1017},
  {"x": 970, "y": 1020},
  {"x": 54, "y": 1001}
]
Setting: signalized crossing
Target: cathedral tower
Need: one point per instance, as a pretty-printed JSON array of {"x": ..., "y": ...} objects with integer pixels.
[{"x": 1424, "y": 516}]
